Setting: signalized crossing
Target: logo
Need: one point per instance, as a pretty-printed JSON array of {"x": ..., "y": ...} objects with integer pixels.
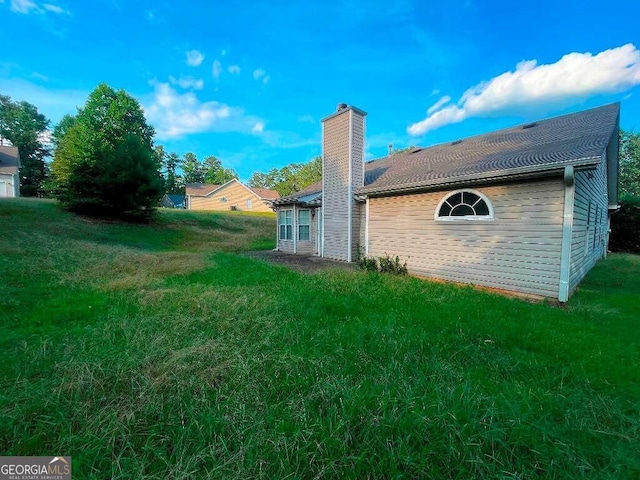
[{"x": 35, "y": 468}]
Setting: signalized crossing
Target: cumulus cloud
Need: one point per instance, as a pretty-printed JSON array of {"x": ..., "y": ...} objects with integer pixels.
[
  {"x": 174, "y": 114},
  {"x": 260, "y": 74},
  {"x": 187, "y": 82},
  {"x": 28, "y": 6},
  {"x": 569, "y": 81},
  {"x": 217, "y": 69},
  {"x": 234, "y": 69},
  {"x": 258, "y": 127},
  {"x": 194, "y": 58},
  {"x": 440, "y": 103}
]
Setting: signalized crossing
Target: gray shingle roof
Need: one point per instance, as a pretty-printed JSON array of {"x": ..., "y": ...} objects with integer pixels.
[
  {"x": 9, "y": 160},
  {"x": 574, "y": 139},
  {"x": 577, "y": 139}
]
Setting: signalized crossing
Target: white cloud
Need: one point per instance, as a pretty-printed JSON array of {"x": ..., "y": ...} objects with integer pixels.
[
  {"x": 223, "y": 53},
  {"x": 217, "y": 69},
  {"x": 27, "y": 6},
  {"x": 49, "y": 7},
  {"x": 234, "y": 69},
  {"x": 260, "y": 74},
  {"x": 23, "y": 6},
  {"x": 258, "y": 127},
  {"x": 51, "y": 102},
  {"x": 569, "y": 81},
  {"x": 175, "y": 114},
  {"x": 440, "y": 103},
  {"x": 187, "y": 82},
  {"x": 194, "y": 58}
]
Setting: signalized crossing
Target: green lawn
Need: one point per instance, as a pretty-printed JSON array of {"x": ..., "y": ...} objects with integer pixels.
[{"x": 156, "y": 351}]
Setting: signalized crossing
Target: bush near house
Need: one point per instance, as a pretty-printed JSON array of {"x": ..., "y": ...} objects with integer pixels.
[
  {"x": 158, "y": 351},
  {"x": 625, "y": 226}
]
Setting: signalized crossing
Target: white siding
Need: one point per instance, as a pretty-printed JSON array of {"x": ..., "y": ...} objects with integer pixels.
[
  {"x": 590, "y": 221},
  {"x": 519, "y": 250}
]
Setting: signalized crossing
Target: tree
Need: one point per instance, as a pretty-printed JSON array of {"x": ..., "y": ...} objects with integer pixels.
[
  {"x": 24, "y": 127},
  {"x": 192, "y": 169},
  {"x": 629, "y": 163},
  {"x": 290, "y": 178},
  {"x": 215, "y": 173},
  {"x": 173, "y": 181},
  {"x": 104, "y": 161}
]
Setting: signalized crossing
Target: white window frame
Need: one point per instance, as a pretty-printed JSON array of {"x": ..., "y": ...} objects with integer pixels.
[
  {"x": 249, "y": 204},
  {"x": 300, "y": 224},
  {"x": 466, "y": 218},
  {"x": 282, "y": 214}
]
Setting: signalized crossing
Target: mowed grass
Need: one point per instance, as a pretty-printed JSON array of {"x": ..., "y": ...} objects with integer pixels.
[{"x": 159, "y": 351}]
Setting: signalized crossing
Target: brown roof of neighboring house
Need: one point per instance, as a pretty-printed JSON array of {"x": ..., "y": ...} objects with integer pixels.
[
  {"x": 265, "y": 193},
  {"x": 9, "y": 160},
  {"x": 200, "y": 189},
  {"x": 577, "y": 139}
]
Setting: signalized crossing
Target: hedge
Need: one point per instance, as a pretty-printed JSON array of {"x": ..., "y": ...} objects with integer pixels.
[{"x": 625, "y": 227}]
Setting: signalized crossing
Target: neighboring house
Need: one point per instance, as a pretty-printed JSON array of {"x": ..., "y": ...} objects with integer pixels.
[
  {"x": 524, "y": 209},
  {"x": 9, "y": 172},
  {"x": 233, "y": 195},
  {"x": 172, "y": 201}
]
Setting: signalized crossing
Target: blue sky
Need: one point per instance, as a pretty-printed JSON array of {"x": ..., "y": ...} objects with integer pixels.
[{"x": 250, "y": 81}]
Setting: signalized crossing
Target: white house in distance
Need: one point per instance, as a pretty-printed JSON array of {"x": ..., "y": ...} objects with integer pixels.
[
  {"x": 9, "y": 172},
  {"x": 524, "y": 209}
]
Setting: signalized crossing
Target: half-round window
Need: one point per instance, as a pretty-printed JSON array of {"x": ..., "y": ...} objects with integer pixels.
[{"x": 464, "y": 205}]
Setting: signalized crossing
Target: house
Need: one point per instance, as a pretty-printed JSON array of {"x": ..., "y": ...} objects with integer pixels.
[
  {"x": 233, "y": 195},
  {"x": 524, "y": 209},
  {"x": 170, "y": 200},
  {"x": 9, "y": 172}
]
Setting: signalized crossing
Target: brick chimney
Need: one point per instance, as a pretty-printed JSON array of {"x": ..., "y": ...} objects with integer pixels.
[{"x": 342, "y": 173}]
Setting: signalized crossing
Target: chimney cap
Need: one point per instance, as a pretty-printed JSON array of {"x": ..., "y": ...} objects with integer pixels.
[{"x": 341, "y": 106}]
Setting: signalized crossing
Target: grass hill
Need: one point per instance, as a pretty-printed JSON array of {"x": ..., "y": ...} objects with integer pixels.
[{"x": 159, "y": 351}]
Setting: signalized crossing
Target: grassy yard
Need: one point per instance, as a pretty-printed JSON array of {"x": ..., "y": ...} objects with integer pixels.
[{"x": 158, "y": 351}]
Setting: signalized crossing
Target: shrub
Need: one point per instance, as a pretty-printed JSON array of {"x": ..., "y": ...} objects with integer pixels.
[
  {"x": 384, "y": 264},
  {"x": 625, "y": 226}
]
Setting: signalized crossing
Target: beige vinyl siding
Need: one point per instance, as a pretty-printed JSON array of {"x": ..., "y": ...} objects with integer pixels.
[
  {"x": 518, "y": 250},
  {"x": 590, "y": 224},
  {"x": 336, "y": 185},
  {"x": 236, "y": 195},
  {"x": 307, "y": 247},
  {"x": 9, "y": 186}
]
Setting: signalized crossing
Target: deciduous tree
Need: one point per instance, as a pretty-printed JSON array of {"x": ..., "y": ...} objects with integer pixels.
[
  {"x": 629, "y": 163},
  {"x": 25, "y": 127}
]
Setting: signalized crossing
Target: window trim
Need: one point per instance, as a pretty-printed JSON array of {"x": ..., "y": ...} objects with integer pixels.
[
  {"x": 298, "y": 224},
  {"x": 285, "y": 225},
  {"x": 249, "y": 204},
  {"x": 466, "y": 218}
]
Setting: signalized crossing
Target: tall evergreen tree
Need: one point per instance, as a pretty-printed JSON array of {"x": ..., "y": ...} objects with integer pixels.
[{"x": 104, "y": 161}]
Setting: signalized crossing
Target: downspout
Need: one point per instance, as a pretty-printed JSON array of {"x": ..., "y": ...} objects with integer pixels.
[
  {"x": 350, "y": 191},
  {"x": 294, "y": 225},
  {"x": 366, "y": 227},
  {"x": 567, "y": 233},
  {"x": 321, "y": 251}
]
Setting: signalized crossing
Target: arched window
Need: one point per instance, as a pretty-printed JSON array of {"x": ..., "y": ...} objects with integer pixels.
[{"x": 464, "y": 205}]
